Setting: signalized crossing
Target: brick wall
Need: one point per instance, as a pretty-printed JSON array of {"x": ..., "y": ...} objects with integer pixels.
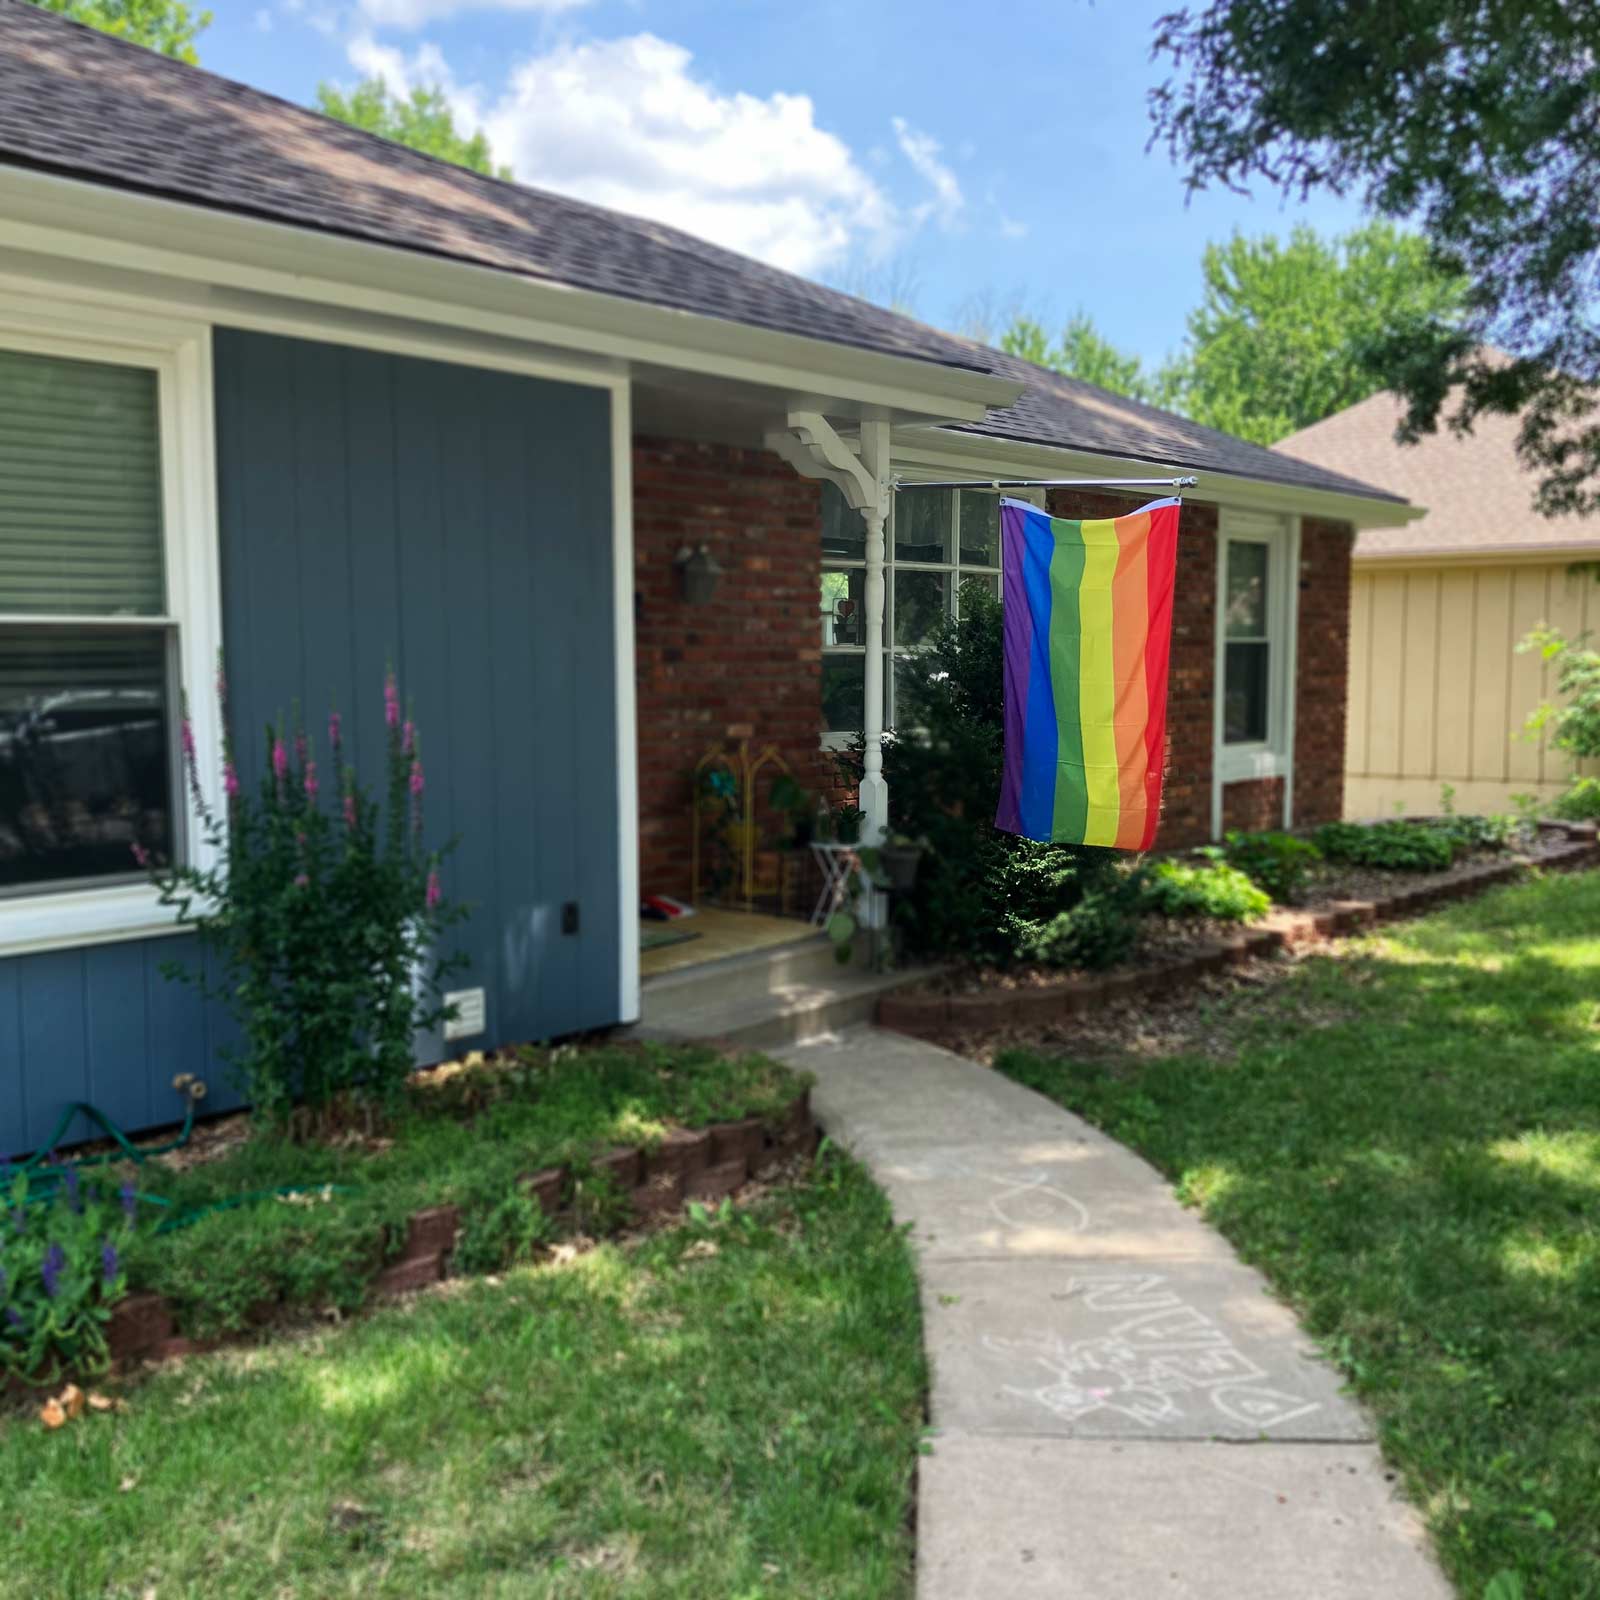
[
  {"x": 1323, "y": 668},
  {"x": 748, "y": 663}
]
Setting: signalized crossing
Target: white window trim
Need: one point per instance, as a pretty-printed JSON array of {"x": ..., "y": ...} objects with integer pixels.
[
  {"x": 954, "y": 569},
  {"x": 180, "y": 354},
  {"x": 1271, "y": 757}
]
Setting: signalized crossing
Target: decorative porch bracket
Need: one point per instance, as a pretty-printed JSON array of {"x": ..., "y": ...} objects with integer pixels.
[{"x": 811, "y": 446}]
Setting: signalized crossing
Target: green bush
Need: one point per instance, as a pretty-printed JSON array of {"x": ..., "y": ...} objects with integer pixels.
[
  {"x": 1280, "y": 863},
  {"x": 981, "y": 894},
  {"x": 1395, "y": 845},
  {"x": 1581, "y": 803},
  {"x": 1207, "y": 887}
]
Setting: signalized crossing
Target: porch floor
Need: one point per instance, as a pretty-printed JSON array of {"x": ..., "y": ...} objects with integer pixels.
[{"x": 721, "y": 933}]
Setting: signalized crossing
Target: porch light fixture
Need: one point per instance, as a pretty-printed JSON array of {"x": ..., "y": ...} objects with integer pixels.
[{"x": 698, "y": 573}]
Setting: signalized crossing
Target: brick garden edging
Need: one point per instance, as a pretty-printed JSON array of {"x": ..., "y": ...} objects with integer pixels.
[
  {"x": 931, "y": 1016},
  {"x": 705, "y": 1164}
]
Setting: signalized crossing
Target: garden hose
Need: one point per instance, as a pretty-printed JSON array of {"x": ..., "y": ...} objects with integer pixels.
[{"x": 45, "y": 1177}]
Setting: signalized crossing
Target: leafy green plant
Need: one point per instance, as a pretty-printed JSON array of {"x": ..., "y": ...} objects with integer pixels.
[
  {"x": 324, "y": 925},
  {"x": 1207, "y": 887},
  {"x": 1574, "y": 724},
  {"x": 1581, "y": 803},
  {"x": 63, "y": 1256},
  {"x": 981, "y": 894},
  {"x": 1394, "y": 845},
  {"x": 1280, "y": 863}
]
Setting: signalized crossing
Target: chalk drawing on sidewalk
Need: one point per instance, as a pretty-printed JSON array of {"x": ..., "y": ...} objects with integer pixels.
[{"x": 1162, "y": 1358}]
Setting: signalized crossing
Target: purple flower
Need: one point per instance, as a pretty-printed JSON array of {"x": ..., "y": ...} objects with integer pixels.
[
  {"x": 14, "y": 1317},
  {"x": 140, "y": 854},
  {"x": 230, "y": 780},
  {"x": 108, "y": 1263},
  {"x": 311, "y": 781},
  {"x": 391, "y": 701},
  {"x": 130, "y": 1200},
  {"x": 301, "y": 881},
  {"x": 408, "y": 736},
  {"x": 187, "y": 734},
  {"x": 435, "y": 894},
  {"x": 74, "y": 1198},
  {"x": 335, "y": 729},
  {"x": 416, "y": 779},
  {"x": 280, "y": 760},
  {"x": 350, "y": 809},
  {"x": 55, "y": 1259}
]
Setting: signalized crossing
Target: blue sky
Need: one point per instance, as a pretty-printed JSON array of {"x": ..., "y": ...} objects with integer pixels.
[{"x": 957, "y": 155}]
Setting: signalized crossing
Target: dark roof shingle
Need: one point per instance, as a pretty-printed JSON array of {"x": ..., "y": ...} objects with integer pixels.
[{"x": 81, "y": 104}]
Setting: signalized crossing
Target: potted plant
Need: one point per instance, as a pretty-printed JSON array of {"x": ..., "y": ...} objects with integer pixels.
[
  {"x": 798, "y": 808},
  {"x": 898, "y": 860}
]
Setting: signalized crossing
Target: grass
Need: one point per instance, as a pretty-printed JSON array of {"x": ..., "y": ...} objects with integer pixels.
[
  {"x": 1406, "y": 1139},
  {"x": 731, "y": 1408},
  {"x": 465, "y": 1142}
]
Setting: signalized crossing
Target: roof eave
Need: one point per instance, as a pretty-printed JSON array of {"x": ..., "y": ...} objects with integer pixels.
[
  {"x": 987, "y": 451},
  {"x": 54, "y": 215}
]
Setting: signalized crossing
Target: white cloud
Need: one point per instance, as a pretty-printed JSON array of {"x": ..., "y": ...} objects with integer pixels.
[
  {"x": 627, "y": 123},
  {"x": 922, "y": 151},
  {"x": 414, "y": 13}
]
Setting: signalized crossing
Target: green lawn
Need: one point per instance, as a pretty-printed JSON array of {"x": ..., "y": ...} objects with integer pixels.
[
  {"x": 1406, "y": 1139},
  {"x": 730, "y": 1409}
]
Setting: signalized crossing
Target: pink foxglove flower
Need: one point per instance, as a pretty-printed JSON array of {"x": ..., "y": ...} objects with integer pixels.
[
  {"x": 188, "y": 741},
  {"x": 416, "y": 779},
  {"x": 408, "y": 736},
  {"x": 350, "y": 810},
  {"x": 335, "y": 729},
  {"x": 311, "y": 781},
  {"x": 230, "y": 780},
  {"x": 435, "y": 894},
  {"x": 140, "y": 854},
  {"x": 391, "y": 702},
  {"x": 280, "y": 760},
  {"x": 301, "y": 750}
]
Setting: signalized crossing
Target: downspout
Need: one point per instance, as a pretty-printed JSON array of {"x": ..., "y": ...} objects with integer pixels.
[{"x": 1292, "y": 688}]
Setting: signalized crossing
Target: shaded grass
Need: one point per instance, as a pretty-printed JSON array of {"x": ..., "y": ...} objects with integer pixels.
[
  {"x": 464, "y": 1143},
  {"x": 728, "y": 1409},
  {"x": 1406, "y": 1138}
]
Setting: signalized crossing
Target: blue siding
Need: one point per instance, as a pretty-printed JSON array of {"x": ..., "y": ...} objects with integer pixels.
[{"x": 454, "y": 522}]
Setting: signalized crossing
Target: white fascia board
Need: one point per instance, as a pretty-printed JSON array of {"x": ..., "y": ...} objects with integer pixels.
[
  {"x": 218, "y": 251},
  {"x": 947, "y": 452},
  {"x": 1520, "y": 555}
]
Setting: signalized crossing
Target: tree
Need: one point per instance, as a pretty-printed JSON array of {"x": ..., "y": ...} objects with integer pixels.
[
  {"x": 421, "y": 120},
  {"x": 1477, "y": 120},
  {"x": 170, "y": 26},
  {"x": 1084, "y": 352},
  {"x": 1287, "y": 333}
]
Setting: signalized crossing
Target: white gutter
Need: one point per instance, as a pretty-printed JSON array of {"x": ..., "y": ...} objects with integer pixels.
[{"x": 229, "y": 261}]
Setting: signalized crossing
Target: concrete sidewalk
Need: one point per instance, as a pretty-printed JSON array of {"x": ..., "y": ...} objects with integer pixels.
[{"x": 1123, "y": 1412}]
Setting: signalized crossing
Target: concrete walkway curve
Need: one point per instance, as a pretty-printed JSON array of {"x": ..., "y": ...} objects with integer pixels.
[{"x": 1122, "y": 1410}]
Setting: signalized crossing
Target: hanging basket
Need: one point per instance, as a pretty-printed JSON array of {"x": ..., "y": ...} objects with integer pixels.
[{"x": 898, "y": 865}]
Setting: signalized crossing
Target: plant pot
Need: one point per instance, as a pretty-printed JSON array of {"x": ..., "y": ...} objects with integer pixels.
[{"x": 899, "y": 864}]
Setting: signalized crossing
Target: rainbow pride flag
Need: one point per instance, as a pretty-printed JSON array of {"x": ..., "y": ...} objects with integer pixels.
[{"x": 1088, "y": 634}]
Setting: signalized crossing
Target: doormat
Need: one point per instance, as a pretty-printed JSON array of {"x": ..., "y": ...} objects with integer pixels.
[{"x": 659, "y": 937}]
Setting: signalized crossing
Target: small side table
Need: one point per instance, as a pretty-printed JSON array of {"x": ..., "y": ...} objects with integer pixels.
[{"x": 836, "y": 862}]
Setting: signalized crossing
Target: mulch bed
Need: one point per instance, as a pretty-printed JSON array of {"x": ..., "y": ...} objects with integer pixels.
[{"x": 969, "y": 1007}]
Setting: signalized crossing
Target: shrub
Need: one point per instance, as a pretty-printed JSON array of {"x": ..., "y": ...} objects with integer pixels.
[
  {"x": 1207, "y": 887},
  {"x": 982, "y": 894},
  {"x": 1280, "y": 863},
  {"x": 1395, "y": 845},
  {"x": 1581, "y": 803},
  {"x": 323, "y": 924},
  {"x": 63, "y": 1257},
  {"x": 1575, "y": 723}
]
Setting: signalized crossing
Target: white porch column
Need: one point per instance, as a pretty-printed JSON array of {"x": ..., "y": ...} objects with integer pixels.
[{"x": 874, "y": 791}]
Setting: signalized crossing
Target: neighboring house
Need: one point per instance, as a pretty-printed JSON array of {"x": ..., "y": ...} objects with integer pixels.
[
  {"x": 1438, "y": 691},
  {"x": 273, "y": 387}
]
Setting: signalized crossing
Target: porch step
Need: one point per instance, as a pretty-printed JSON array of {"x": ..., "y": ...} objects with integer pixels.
[{"x": 766, "y": 998}]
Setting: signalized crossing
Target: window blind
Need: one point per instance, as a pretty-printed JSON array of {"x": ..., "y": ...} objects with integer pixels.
[{"x": 80, "y": 488}]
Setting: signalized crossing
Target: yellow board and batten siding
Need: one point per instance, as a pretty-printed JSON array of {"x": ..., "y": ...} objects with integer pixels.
[{"x": 1438, "y": 692}]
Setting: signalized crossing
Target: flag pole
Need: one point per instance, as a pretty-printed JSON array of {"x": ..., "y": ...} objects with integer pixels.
[{"x": 898, "y": 483}]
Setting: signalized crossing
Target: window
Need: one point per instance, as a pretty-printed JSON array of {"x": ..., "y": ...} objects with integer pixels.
[
  {"x": 1255, "y": 634},
  {"x": 936, "y": 541},
  {"x": 106, "y": 555}
]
